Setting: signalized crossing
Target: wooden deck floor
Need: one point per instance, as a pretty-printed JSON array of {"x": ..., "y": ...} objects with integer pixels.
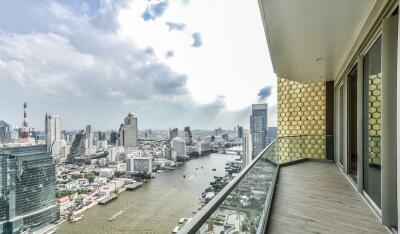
[{"x": 315, "y": 197}]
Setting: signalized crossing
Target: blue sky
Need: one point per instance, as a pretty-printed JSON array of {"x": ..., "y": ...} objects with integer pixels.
[{"x": 173, "y": 63}]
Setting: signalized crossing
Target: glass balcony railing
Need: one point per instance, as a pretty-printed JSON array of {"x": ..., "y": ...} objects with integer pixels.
[{"x": 243, "y": 205}]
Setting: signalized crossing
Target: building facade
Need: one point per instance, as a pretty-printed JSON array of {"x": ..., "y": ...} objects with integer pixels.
[
  {"x": 173, "y": 133},
  {"x": 128, "y": 132},
  {"x": 247, "y": 147},
  {"x": 258, "y": 127},
  {"x": 139, "y": 165},
  {"x": 27, "y": 176},
  {"x": 89, "y": 136},
  {"x": 78, "y": 147},
  {"x": 179, "y": 145},
  {"x": 52, "y": 128},
  {"x": 5, "y": 132}
]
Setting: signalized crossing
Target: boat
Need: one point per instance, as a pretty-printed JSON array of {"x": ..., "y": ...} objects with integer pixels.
[
  {"x": 176, "y": 229},
  {"x": 182, "y": 220},
  {"x": 52, "y": 231},
  {"x": 214, "y": 169},
  {"x": 115, "y": 215}
]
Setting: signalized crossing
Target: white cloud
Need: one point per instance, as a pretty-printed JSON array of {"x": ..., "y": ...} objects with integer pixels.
[{"x": 96, "y": 67}]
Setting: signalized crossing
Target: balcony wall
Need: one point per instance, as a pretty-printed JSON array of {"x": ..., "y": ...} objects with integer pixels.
[{"x": 302, "y": 112}]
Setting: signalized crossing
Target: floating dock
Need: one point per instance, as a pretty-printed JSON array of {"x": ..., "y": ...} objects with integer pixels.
[
  {"x": 131, "y": 187},
  {"x": 107, "y": 199}
]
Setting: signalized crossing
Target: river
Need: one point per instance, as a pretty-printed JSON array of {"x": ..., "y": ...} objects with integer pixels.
[{"x": 157, "y": 206}]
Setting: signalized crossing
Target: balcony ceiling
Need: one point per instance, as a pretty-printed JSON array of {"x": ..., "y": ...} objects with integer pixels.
[{"x": 308, "y": 39}]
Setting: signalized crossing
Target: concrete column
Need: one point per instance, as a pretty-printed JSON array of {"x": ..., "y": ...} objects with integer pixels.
[
  {"x": 398, "y": 123},
  {"x": 360, "y": 137},
  {"x": 337, "y": 124},
  {"x": 345, "y": 124},
  {"x": 388, "y": 111}
]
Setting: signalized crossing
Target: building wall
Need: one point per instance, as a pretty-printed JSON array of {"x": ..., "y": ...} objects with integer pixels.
[
  {"x": 31, "y": 199},
  {"x": 301, "y": 120}
]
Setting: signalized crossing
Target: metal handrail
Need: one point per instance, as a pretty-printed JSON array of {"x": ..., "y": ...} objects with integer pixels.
[{"x": 201, "y": 217}]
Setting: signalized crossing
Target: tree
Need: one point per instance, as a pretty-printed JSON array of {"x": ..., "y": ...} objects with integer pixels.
[{"x": 90, "y": 176}]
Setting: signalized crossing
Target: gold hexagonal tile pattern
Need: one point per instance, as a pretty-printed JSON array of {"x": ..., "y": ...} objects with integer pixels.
[
  {"x": 301, "y": 120},
  {"x": 374, "y": 119}
]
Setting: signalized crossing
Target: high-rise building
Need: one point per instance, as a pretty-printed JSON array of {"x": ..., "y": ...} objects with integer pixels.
[
  {"x": 173, "y": 133},
  {"x": 247, "y": 147},
  {"x": 258, "y": 127},
  {"x": 239, "y": 130},
  {"x": 53, "y": 134},
  {"x": 101, "y": 136},
  {"x": 188, "y": 135},
  {"x": 170, "y": 153},
  {"x": 218, "y": 131},
  {"x": 89, "y": 136},
  {"x": 272, "y": 133},
  {"x": 128, "y": 132},
  {"x": 114, "y": 137},
  {"x": 5, "y": 132},
  {"x": 27, "y": 189},
  {"x": 78, "y": 148},
  {"x": 179, "y": 145}
]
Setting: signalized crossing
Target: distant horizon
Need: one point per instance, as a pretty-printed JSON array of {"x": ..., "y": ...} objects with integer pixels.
[{"x": 180, "y": 128}]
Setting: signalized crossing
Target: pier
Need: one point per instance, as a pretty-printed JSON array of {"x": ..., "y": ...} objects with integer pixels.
[
  {"x": 107, "y": 199},
  {"x": 131, "y": 187}
]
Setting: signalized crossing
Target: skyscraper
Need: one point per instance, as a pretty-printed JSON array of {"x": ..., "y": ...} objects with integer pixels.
[
  {"x": 128, "y": 132},
  {"x": 89, "y": 136},
  {"x": 188, "y": 135},
  {"x": 102, "y": 136},
  {"x": 258, "y": 127},
  {"x": 27, "y": 189},
  {"x": 173, "y": 133},
  {"x": 247, "y": 147},
  {"x": 114, "y": 138},
  {"x": 239, "y": 130},
  {"x": 78, "y": 148},
  {"x": 5, "y": 132},
  {"x": 52, "y": 129}
]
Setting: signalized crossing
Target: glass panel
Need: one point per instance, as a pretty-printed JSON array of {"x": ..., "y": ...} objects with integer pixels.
[
  {"x": 243, "y": 211},
  {"x": 352, "y": 124},
  {"x": 372, "y": 124}
]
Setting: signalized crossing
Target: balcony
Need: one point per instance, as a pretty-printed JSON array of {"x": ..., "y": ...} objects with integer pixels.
[{"x": 286, "y": 191}]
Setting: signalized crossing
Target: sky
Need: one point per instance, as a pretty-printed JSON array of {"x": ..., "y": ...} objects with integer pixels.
[{"x": 172, "y": 63}]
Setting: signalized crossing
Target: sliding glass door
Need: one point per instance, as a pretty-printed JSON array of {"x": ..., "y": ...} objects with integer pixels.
[
  {"x": 352, "y": 124},
  {"x": 372, "y": 123}
]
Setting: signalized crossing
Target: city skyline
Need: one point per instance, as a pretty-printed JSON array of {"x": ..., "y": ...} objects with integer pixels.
[{"x": 117, "y": 63}]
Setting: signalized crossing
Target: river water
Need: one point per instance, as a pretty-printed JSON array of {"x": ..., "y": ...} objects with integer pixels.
[{"x": 157, "y": 206}]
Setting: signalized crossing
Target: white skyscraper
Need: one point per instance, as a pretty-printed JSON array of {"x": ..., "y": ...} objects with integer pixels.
[
  {"x": 247, "y": 147},
  {"x": 128, "y": 132},
  {"x": 89, "y": 136},
  {"x": 53, "y": 134},
  {"x": 179, "y": 145}
]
